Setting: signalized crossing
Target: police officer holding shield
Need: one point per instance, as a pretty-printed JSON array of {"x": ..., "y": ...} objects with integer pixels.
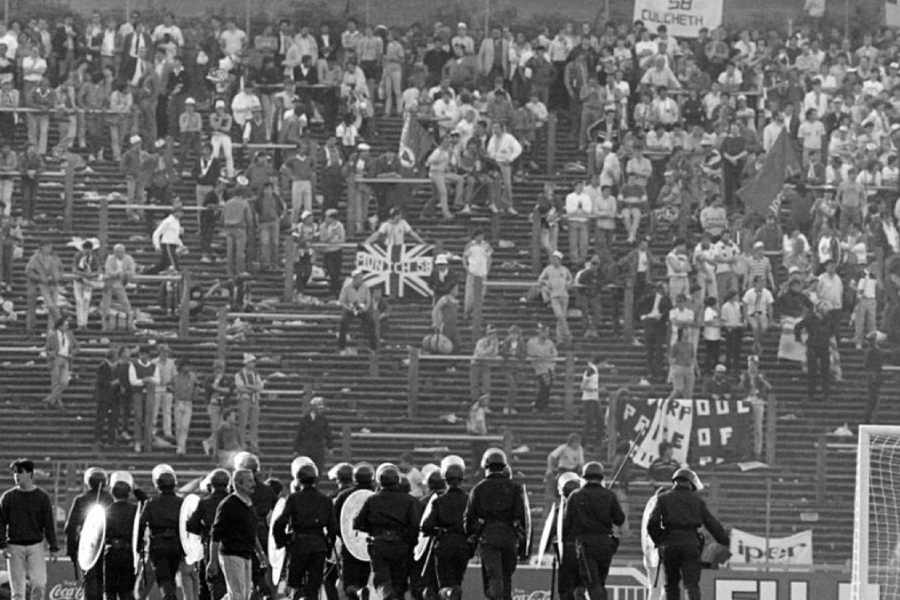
[
  {"x": 95, "y": 493},
  {"x": 201, "y": 522},
  {"x": 308, "y": 527},
  {"x": 589, "y": 517},
  {"x": 673, "y": 526},
  {"x": 445, "y": 524},
  {"x": 354, "y": 572},
  {"x": 391, "y": 518},
  {"x": 118, "y": 557},
  {"x": 569, "y": 579},
  {"x": 495, "y": 520},
  {"x": 342, "y": 475}
]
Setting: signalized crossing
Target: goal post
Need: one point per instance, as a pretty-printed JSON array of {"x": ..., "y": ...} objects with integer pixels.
[{"x": 876, "y": 520}]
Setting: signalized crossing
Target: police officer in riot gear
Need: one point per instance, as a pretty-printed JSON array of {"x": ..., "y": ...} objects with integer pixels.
[
  {"x": 590, "y": 515},
  {"x": 673, "y": 526},
  {"x": 118, "y": 557},
  {"x": 569, "y": 578},
  {"x": 354, "y": 572},
  {"x": 451, "y": 551},
  {"x": 423, "y": 579},
  {"x": 307, "y": 526},
  {"x": 201, "y": 522},
  {"x": 161, "y": 517},
  {"x": 95, "y": 493},
  {"x": 391, "y": 518},
  {"x": 342, "y": 475},
  {"x": 495, "y": 519}
]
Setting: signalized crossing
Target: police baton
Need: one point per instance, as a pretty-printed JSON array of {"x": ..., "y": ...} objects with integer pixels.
[{"x": 633, "y": 445}]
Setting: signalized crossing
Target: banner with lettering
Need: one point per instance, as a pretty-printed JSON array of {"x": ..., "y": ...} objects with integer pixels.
[
  {"x": 747, "y": 549},
  {"x": 700, "y": 431},
  {"x": 397, "y": 267},
  {"x": 683, "y": 18}
]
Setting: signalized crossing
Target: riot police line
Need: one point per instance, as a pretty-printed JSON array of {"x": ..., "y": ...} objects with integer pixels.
[{"x": 371, "y": 538}]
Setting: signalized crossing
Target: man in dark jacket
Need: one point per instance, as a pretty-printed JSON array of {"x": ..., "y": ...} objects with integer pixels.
[
  {"x": 655, "y": 316},
  {"x": 160, "y": 516},
  {"x": 442, "y": 278},
  {"x": 314, "y": 433},
  {"x": 106, "y": 396},
  {"x": 819, "y": 329},
  {"x": 673, "y": 528}
]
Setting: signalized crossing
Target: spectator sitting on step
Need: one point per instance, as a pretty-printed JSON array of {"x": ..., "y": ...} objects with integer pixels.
[
  {"x": 442, "y": 279},
  {"x": 356, "y": 303},
  {"x": 661, "y": 468},
  {"x": 718, "y": 385}
]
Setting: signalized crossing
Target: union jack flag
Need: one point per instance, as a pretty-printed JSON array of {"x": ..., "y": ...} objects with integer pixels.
[{"x": 397, "y": 267}]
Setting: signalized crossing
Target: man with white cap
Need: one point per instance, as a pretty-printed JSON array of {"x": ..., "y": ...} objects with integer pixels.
[
  {"x": 356, "y": 303},
  {"x": 462, "y": 39},
  {"x": 248, "y": 386},
  {"x": 220, "y": 123},
  {"x": 554, "y": 283},
  {"x": 313, "y": 438},
  {"x": 442, "y": 279}
]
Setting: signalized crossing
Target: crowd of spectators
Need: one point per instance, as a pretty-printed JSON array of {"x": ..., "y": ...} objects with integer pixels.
[{"x": 670, "y": 133}]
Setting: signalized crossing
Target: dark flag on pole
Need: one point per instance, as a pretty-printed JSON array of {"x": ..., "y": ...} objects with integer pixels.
[
  {"x": 415, "y": 142},
  {"x": 781, "y": 163}
]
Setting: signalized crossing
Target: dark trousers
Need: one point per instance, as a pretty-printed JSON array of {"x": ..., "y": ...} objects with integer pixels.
[
  {"x": 305, "y": 572},
  {"x": 167, "y": 258},
  {"x": 354, "y": 573},
  {"x": 682, "y": 565},
  {"x": 93, "y": 581},
  {"x": 711, "y": 355},
  {"x": 593, "y": 422},
  {"x": 818, "y": 369},
  {"x": 332, "y": 185},
  {"x": 390, "y": 567},
  {"x": 544, "y": 383},
  {"x": 107, "y": 417},
  {"x": 332, "y": 262},
  {"x": 498, "y": 563},
  {"x": 365, "y": 321},
  {"x": 211, "y": 589},
  {"x": 733, "y": 338},
  {"x": 873, "y": 390},
  {"x": 302, "y": 271},
  {"x": 451, "y": 557},
  {"x": 654, "y": 342},
  {"x": 165, "y": 558},
  {"x": 594, "y": 556},
  {"x": 207, "y": 230},
  {"x": 29, "y": 193},
  {"x": 330, "y": 582},
  {"x": 118, "y": 571},
  {"x": 568, "y": 578}
]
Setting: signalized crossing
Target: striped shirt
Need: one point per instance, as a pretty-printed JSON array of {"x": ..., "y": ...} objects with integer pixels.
[{"x": 758, "y": 267}]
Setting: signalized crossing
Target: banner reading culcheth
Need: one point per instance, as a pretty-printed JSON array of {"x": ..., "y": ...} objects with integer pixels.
[{"x": 683, "y": 18}]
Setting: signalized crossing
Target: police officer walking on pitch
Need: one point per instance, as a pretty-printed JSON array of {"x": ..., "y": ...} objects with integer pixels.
[
  {"x": 201, "y": 522},
  {"x": 118, "y": 558},
  {"x": 495, "y": 520},
  {"x": 391, "y": 518},
  {"x": 673, "y": 528},
  {"x": 161, "y": 515},
  {"x": 95, "y": 493},
  {"x": 589, "y": 517},
  {"x": 354, "y": 572},
  {"x": 309, "y": 518},
  {"x": 569, "y": 578},
  {"x": 445, "y": 525},
  {"x": 342, "y": 475},
  {"x": 423, "y": 579}
]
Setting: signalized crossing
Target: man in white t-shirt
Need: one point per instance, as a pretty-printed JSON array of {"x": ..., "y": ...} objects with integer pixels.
[
  {"x": 758, "y": 303},
  {"x": 477, "y": 260},
  {"x": 393, "y": 232},
  {"x": 233, "y": 39},
  {"x": 578, "y": 213}
]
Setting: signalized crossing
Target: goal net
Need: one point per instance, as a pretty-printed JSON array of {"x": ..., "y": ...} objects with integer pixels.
[{"x": 876, "y": 521}]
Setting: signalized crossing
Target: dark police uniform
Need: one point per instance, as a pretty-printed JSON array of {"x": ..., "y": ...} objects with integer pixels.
[
  {"x": 309, "y": 517},
  {"x": 451, "y": 548},
  {"x": 391, "y": 517},
  {"x": 75, "y": 520},
  {"x": 161, "y": 517},
  {"x": 264, "y": 499},
  {"x": 200, "y": 523},
  {"x": 331, "y": 572},
  {"x": 423, "y": 578},
  {"x": 354, "y": 572},
  {"x": 589, "y": 517},
  {"x": 118, "y": 558},
  {"x": 673, "y": 527},
  {"x": 495, "y": 515}
]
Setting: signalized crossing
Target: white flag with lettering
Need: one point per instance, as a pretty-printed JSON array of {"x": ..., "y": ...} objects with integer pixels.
[{"x": 683, "y": 18}]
